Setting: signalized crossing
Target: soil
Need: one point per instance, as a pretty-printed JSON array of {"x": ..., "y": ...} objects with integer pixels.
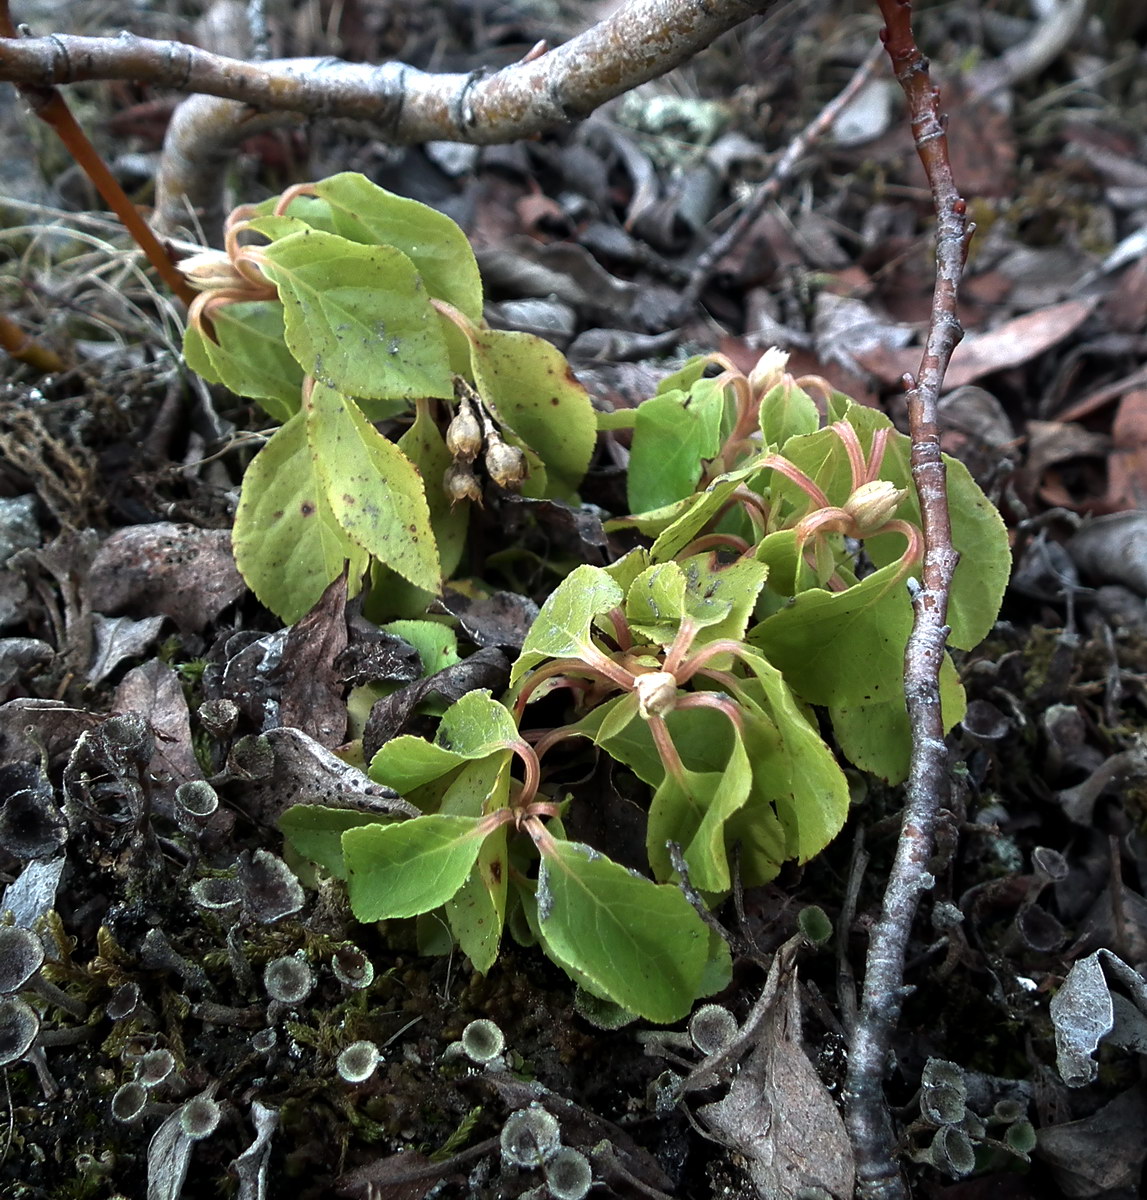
[{"x": 133, "y": 658}]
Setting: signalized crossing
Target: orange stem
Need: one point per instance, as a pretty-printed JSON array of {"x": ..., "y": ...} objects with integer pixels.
[
  {"x": 49, "y": 105},
  {"x": 21, "y": 347}
]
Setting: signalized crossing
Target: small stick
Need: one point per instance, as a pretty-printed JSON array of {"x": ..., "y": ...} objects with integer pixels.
[
  {"x": 782, "y": 171},
  {"x": 866, "y": 1113}
]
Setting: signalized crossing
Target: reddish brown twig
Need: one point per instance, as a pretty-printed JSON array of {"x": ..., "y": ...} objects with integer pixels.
[
  {"x": 47, "y": 103},
  {"x": 867, "y": 1116}
]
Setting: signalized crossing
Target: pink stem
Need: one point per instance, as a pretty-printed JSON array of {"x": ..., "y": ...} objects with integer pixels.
[
  {"x": 597, "y": 660},
  {"x": 715, "y": 700},
  {"x": 876, "y": 454},
  {"x": 692, "y": 665},
  {"x": 778, "y": 463},
  {"x": 539, "y": 835},
  {"x": 621, "y": 631},
  {"x": 712, "y": 540},
  {"x": 851, "y": 442},
  {"x": 553, "y": 736},
  {"x": 533, "y": 770},
  {"x": 686, "y": 632},
  {"x": 557, "y": 666},
  {"x": 670, "y": 759}
]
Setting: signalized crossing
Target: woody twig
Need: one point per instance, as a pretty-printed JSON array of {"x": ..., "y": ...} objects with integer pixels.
[{"x": 867, "y": 1116}]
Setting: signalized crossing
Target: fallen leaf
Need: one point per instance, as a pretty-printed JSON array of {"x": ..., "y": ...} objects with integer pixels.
[
  {"x": 389, "y": 717},
  {"x": 155, "y": 691},
  {"x": 1113, "y": 549},
  {"x": 311, "y": 696},
  {"x": 1127, "y": 462},
  {"x": 1102, "y": 1152},
  {"x": 1011, "y": 345},
  {"x": 500, "y": 619},
  {"x": 306, "y": 772},
  {"x": 117, "y": 639},
  {"x": 187, "y": 574},
  {"x": 778, "y": 1114}
]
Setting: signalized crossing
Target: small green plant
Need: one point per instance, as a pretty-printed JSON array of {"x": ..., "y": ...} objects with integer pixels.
[
  {"x": 781, "y": 540},
  {"x": 361, "y": 306}
]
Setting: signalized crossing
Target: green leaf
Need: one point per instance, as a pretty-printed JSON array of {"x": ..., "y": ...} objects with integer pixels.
[
  {"x": 732, "y": 589},
  {"x": 639, "y": 943},
  {"x": 692, "y": 812},
  {"x": 407, "y": 762},
  {"x": 703, "y": 738},
  {"x": 706, "y": 506},
  {"x": 439, "y": 250},
  {"x": 310, "y": 210},
  {"x": 288, "y": 545},
  {"x": 674, "y": 433},
  {"x": 787, "y": 411},
  {"x": 273, "y": 228},
  {"x": 358, "y": 317},
  {"x": 472, "y": 728},
  {"x": 477, "y": 911},
  {"x": 437, "y": 644},
  {"x": 562, "y": 628},
  {"x": 685, "y": 376},
  {"x": 481, "y": 786},
  {"x": 409, "y": 868},
  {"x": 878, "y": 737},
  {"x": 249, "y": 357},
  {"x": 374, "y": 491},
  {"x": 315, "y": 831},
  {"x": 476, "y": 725},
  {"x": 842, "y": 648},
  {"x": 655, "y": 602},
  {"x": 529, "y": 388},
  {"x": 425, "y": 447},
  {"x": 796, "y": 772}
]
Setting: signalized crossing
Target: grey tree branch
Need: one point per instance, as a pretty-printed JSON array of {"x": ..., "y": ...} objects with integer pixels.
[
  {"x": 638, "y": 42},
  {"x": 866, "y": 1113}
]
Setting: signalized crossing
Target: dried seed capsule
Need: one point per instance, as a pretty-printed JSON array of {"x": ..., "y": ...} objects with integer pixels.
[
  {"x": 769, "y": 371},
  {"x": 873, "y": 504},
  {"x": 656, "y": 693},
  {"x": 464, "y": 434},
  {"x": 459, "y": 483},
  {"x": 505, "y": 464},
  {"x": 210, "y": 271}
]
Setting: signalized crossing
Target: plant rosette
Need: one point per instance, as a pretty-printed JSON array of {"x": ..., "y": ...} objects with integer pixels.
[{"x": 783, "y": 533}]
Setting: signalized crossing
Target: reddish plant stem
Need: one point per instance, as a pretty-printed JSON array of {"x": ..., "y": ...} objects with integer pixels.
[
  {"x": 47, "y": 103},
  {"x": 866, "y": 1113},
  {"x": 22, "y": 347}
]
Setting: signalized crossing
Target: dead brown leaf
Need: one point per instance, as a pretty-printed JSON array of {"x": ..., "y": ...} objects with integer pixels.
[
  {"x": 778, "y": 1113},
  {"x": 154, "y": 690},
  {"x": 185, "y": 573},
  {"x": 1127, "y": 463},
  {"x": 1011, "y": 345},
  {"x": 312, "y": 689}
]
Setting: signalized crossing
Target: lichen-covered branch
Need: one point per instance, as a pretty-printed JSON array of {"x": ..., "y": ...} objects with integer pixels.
[
  {"x": 639, "y": 41},
  {"x": 867, "y": 1117}
]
